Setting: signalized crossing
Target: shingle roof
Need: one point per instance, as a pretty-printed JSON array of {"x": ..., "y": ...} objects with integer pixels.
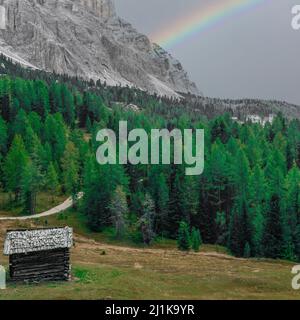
[{"x": 25, "y": 241}]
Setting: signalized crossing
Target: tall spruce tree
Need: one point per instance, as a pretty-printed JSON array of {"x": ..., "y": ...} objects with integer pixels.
[
  {"x": 119, "y": 210},
  {"x": 196, "y": 239},
  {"x": 183, "y": 238},
  {"x": 51, "y": 181},
  {"x": 3, "y": 136},
  {"x": 15, "y": 165},
  {"x": 272, "y": 241},
  {"x": 257, "y": 206},
  {"x": 291, "y": 208},
  {"x": 147, "y": 220},
  {"x": 240, "y": 230},
  {"x": 70, "y": 167}
]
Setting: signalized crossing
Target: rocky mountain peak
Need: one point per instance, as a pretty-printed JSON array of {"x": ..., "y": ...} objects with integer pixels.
[
  {"x": 101, "y": 8},
  {"x": 86, "y": 38}
]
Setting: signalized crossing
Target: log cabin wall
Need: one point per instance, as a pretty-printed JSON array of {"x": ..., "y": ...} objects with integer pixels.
[
  {"x": 39, "y": 254},
  {"x": 51, "y": 265}
]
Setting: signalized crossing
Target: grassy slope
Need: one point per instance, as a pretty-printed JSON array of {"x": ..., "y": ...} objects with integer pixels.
[
  {"x": 44, "y": 203},
  {"x": 127, "y": 272}
]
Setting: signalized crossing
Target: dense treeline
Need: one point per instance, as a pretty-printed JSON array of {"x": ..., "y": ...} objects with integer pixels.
[
  {"x": 190, "y": 105},
  {"x": 165, "y": 106},
  {"x": 247, "y": 199}
]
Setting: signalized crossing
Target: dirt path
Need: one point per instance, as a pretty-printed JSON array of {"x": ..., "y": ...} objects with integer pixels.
[
  {"x": 62, "y": 207},
  {"x": 90, "y": 244}
]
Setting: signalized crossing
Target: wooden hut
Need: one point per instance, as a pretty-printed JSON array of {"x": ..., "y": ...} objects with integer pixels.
[{"x": 39, "y": 254}]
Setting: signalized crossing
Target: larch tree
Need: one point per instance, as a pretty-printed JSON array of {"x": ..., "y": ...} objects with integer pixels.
[
  {"x": 70, "y": 169},
  {"x": 183, "y": 238},
  {"x": 196, "y": 239},
  {"x": 272, "y": 241},
  {"x": 15, "y": 164},
  {"x": 119, "y": 210},
  {"x": 147, "y": 220},
  {"x": 51, "y": 181}
]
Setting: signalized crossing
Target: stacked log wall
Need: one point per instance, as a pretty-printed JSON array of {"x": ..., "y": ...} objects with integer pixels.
[{"x": 48, "y": 265}]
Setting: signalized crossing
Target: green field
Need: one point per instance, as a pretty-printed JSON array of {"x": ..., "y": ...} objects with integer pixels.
[{"x": 103, "y": 269}]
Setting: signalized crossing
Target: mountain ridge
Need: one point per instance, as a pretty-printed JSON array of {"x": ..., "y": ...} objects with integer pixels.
[
  {"x": 128, "y": 97},
  {"x": 86, "y": 38}
]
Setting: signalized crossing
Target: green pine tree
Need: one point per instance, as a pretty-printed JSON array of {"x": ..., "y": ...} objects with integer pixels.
[
  {"x": 247, "y": 250},
  {"x": 196, "y": 239},
  {"x": 183, "y": 239},
  {"x": 51, "y": 181},
  {"x": 70, "y": 167},
  {"x": 15, "y": 165},
  {"x": 147, "y": 220},
  {"x": 119, "y": 210},
  {"x": 272, "y": 241}
]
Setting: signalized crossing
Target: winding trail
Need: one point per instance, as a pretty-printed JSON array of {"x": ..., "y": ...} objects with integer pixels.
[{"x": 62, "y": 207}]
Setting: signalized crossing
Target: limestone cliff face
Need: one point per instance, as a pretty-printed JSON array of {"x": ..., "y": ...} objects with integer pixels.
[
  {"x": 101, "y": 8},
  {"x": 86, "y": 38}
]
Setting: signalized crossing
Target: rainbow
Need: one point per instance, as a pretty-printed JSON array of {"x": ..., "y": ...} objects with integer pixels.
[{"x": 201, "y": 19}]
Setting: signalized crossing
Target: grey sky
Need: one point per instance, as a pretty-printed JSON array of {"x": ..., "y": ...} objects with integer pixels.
[{"x": 254, "y": 54}]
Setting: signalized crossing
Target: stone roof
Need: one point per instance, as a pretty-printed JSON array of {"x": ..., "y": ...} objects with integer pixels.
[{"x": 25, "y": 241}]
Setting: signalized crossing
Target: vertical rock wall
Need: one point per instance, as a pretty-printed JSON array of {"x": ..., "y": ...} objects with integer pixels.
[{"x": 101, "y": 8}]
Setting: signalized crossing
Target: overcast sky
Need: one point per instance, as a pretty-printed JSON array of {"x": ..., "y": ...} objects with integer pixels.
[{"x": 253, "y": 54}]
